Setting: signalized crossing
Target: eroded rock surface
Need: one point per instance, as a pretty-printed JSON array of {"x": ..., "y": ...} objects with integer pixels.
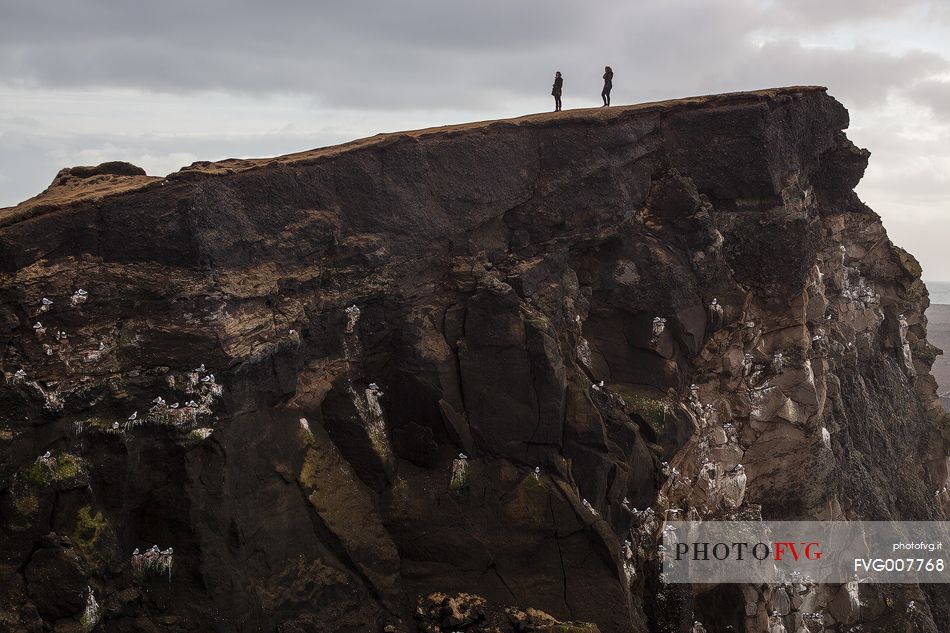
[{"x": 483, "y": 363}]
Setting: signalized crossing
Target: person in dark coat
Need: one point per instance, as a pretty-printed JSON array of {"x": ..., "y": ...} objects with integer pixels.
[
  {"x": 556, "y": 90},
  {"x": 608, "y": 84}
]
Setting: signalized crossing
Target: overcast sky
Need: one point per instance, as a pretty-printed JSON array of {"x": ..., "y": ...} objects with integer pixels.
[{"x": 162, "y": 84}]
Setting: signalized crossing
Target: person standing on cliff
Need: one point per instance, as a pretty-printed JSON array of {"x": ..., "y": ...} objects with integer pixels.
[
  {"x": 608, "y": 84},
  {"x": 556, "y": 90}
]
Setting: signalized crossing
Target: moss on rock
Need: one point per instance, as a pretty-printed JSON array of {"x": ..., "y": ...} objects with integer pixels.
[
  {"x": 67, "y": 467},
  {"x": 39, "y": 474},
  {"x": 88, "y": 531},
  {"x": 64, "y": 468}
]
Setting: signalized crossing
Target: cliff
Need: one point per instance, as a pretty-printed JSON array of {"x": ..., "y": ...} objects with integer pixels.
[
  {"x": 939, "y": 334},
  {"x": 433, "y": 380}
]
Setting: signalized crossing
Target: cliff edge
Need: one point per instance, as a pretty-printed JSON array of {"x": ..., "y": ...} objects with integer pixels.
[{"x": 456, "y": 379}]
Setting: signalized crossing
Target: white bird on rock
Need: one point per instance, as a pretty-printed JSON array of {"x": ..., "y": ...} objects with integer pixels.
[
  {"x": 134, "y": 415},
  {"x": 778, "y": 363},
  {"x": 192, "y": 404},
  {"x": 159, "y": 401},
  {"x": 715, "y": 313},
  {"x": 174, "y": 406},
  {"x": 46, "y": 302},
  {"x": 19, "y": 374},
  {"x": 463, "y": 456},
  {"x": 826, "y": 437},
  {"x": 47, "y": 455},
  {"x": 37, "y": 326},
  {"x": 201, "y": 369},
  {"x": 747, "y": 364},
  {"x": 135, "y": 552},
  {"x": 115, "y": 426}
]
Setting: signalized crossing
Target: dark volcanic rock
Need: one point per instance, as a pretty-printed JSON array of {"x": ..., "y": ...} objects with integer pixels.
[
  {"x": 112, "y": 168},
  {"x": 938, "y": 317},
  {"x": 56, "y": 579},
  {"x": 450, "y": 363}
]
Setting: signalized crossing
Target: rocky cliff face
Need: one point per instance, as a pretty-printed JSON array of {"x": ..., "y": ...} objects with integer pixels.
[
  {"x": 939, "y": 334},
  {"x": 452, "y": 379}
]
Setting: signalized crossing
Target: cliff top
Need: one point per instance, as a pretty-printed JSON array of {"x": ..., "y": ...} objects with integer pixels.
[{"x": 79, "y": 184}]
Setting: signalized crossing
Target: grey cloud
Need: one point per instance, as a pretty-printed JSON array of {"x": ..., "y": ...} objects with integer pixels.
[
  {"x": 424, "y": 53},
  {"x": 862, "y": 76},
  {"x": 823, "y": 14},
  {"x": 933, "y": 93},
  {"x": 318, "y": 48}
]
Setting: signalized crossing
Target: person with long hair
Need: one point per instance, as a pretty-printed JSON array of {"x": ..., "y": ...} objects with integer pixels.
[
  {"x": 608, "y": 84},
  {"x": 556, "y": 90}
]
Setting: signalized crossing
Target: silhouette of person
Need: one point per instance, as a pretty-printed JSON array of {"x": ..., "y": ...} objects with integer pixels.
[
  {"x": 556, "y": 90},
  {"x": 608, "y": 84}
]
